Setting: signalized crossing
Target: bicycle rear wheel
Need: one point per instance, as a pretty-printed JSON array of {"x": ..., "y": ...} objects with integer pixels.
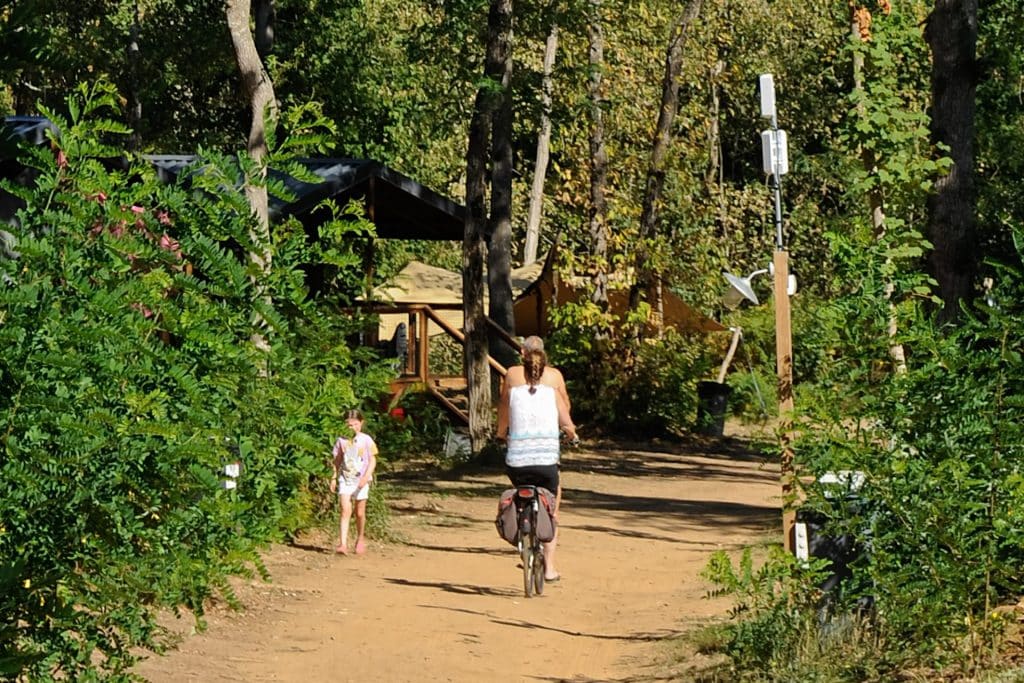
[
  {"x": 538, "y": 570},
  {"x": 526, "y": 555}
]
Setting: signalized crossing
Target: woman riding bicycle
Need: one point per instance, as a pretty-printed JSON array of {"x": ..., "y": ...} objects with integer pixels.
[{"x": 529, "y": 417}]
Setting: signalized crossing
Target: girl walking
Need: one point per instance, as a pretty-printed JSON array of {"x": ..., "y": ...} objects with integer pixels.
[{"x": 354, "y": 461}]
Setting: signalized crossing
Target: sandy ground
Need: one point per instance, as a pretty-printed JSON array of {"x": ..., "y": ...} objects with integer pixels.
[{"x": 446, "y": 603}]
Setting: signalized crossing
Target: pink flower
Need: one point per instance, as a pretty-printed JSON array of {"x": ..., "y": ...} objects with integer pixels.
[
  {"x": 137, "y": 209},
  {"x": 163, "y": 217},
  {"x": 62, "y": 159},
  {"x": 146, "y": 313},
  {"x": 170, "y": 244}
]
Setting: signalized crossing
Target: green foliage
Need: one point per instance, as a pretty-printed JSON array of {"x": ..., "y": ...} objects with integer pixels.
[
  {"x": 937, "y": 518},
  {"x": 939, "y": 512},
  {"x": 941, "y": 506},
  {"x": 127, "y": 381},
  {"x": 425, "y": 425},
  {"x": 780, "y": 630},
  {"x": 1000, "y": 126},
  {"x": 647, "y": 388}
]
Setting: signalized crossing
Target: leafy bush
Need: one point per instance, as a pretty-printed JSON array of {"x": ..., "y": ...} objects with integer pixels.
[
  {"x": 647, "y": 388},
  {"x": 939, "y": 446},
  {"x": 780, "y": 630},
  {"x": 938, "y": 516},
  {"x": 127, "y": 381}
]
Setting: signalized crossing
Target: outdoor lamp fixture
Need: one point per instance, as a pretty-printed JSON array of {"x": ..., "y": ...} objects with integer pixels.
[{"x": 742, "y": 288}]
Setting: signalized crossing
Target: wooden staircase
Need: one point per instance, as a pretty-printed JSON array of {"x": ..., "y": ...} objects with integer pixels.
[{"x": 450, "y": 391}]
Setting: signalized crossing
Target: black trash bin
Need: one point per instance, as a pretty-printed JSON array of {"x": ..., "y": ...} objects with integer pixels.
[
  {"x": 841, "y": 548},
  {"x": 712, "y": 398}
]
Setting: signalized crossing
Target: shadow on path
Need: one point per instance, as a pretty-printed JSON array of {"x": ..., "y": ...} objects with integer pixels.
[
  {"x": 310, "y": 548},
  {"x": 641, "y": 535},
  {"x": 470, "y": 550},
  {"x": 458, "y": 588},
  {"x": 645, "y": 464},
  {"x": 710, "y": 512},
  {"x": 519, "y": 623},
  {"x": 726, "y": 463}
]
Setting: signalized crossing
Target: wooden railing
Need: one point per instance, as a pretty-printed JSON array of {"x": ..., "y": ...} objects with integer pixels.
[{"x": 416, "y": 373}]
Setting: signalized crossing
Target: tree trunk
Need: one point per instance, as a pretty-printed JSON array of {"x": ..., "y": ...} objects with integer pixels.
[
  {"x": 540, "y": 166},
  {"x": 952, "y": 34},
  {"x": 488, "y": 101},
  {"x": 648, "y": 282},
  {"x": 473, "y": 255},
  {"x": 713, "y": 174},
  {"x": 598, "y": 170},
  {"x": 876, "y": 203},
  {"x": 259, "y": 91},
  {"x": 499, "y": 247}
]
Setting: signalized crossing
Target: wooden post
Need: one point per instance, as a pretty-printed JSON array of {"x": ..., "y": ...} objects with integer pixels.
[
  {"x": 737, "y": 332},
  {"x": 784, "y": 365},
  {"x": 412, "y": 343},
  {"x": 423, "y": 347}
]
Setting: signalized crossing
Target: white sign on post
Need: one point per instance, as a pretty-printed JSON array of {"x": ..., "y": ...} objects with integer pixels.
[{"x": 802, "y": 545}]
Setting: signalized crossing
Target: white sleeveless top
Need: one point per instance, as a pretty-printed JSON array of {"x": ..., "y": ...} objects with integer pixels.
[{"x": 532, "y": 427}]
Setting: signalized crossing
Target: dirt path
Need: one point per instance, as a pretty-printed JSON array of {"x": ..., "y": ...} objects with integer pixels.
[{"x": 447, "y": 604}]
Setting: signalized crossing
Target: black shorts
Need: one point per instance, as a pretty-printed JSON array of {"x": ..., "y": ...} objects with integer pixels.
[{"x": 535, "y": 475}]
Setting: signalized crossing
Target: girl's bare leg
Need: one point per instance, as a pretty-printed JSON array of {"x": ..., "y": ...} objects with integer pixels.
[
  {"x": 346, "y": 518},
  {"x": 360, "y": 527}
]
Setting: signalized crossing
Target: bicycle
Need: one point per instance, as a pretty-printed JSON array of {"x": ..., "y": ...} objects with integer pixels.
[
  {"x": 531, "y": 548},
  {"x": 527, "y": 502}
]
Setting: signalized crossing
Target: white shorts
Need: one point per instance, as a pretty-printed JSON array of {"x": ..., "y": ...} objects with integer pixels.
[{"x": 349, "y": 489}]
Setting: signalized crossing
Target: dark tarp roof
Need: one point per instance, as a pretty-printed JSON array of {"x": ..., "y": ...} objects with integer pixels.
[
  {"x": 15, "y": 129},
  {"x": 29, "y": 128},
  {"x": 400, "y": 207}
]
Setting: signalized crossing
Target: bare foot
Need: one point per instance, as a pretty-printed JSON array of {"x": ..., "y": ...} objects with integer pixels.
[
  {"x": 341, "y": 549},
  {"x": 360, "y": 547}
]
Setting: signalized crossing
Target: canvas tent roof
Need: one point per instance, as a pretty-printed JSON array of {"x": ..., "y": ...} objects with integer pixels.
[
  {"x": 535, "y": 289},
  {"x": 421, "y": 283},
  {"x": 549, "y": 289}
]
